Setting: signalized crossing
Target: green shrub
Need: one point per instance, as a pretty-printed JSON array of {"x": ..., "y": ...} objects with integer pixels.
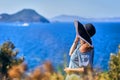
[
  {"x": 114, "y": 64},
  {"x": 114, "y": 68}
]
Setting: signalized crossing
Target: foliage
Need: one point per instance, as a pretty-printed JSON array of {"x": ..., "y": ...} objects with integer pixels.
[
  {"x": 45, "y": 72},
  {"x": 8, "y": 57},
  {"x": 114, "y": 72},
  {"x": 114, "y": 68}
]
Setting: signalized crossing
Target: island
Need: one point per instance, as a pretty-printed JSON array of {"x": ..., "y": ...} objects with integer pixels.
[{"x": 25, "y": 16}]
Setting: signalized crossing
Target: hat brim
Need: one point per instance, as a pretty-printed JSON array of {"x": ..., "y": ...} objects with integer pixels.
[{"x": 82, "y": 33}]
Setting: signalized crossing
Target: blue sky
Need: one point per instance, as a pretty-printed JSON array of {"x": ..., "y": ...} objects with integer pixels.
[{"x": 51, "y": 8}]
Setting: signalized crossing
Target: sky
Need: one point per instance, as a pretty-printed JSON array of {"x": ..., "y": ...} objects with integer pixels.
[{"x": 52, "y": 8}]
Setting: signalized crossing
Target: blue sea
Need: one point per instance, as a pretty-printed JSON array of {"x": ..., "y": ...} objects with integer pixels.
[{"x": 39, "y": 42}]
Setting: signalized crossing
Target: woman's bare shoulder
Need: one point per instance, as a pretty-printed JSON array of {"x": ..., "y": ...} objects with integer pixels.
[{"x": 85, "y": 48}]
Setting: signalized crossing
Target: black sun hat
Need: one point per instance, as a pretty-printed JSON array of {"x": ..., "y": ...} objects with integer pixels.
[{"x": 85, "y": 32}]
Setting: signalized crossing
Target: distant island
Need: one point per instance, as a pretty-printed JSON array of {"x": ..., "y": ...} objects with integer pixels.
[
  {"x": 71, "y": 18},
  {"x": 25, "y": 15}
]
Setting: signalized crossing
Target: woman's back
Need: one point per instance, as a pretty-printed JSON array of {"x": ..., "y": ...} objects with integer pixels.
[{"x": 79, "y": 59}]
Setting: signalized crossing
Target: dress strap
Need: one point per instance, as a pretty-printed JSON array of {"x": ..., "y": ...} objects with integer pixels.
[{"x": 78, "y": 46}]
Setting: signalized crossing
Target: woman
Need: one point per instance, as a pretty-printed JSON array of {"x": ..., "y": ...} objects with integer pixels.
[{"x": 81, "y": 51}]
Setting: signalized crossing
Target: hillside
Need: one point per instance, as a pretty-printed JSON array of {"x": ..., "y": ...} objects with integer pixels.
[{"x": 25, "y": 15}]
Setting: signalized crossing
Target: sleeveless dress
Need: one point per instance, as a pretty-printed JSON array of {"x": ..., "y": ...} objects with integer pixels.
[{"x": 79, "y": 59}]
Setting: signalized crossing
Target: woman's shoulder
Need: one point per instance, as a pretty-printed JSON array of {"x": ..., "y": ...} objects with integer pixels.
[{"x": 86, "y": 49}]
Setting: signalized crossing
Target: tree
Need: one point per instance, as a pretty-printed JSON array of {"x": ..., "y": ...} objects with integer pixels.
[
  {"x": 8, "y": 57},
  {"x": 114, "y": 64}
]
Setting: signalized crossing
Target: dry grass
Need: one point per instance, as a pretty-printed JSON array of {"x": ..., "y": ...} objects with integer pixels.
[{"x": 46, "y": 72}]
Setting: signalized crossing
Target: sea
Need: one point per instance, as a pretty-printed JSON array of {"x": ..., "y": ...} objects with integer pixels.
[{"x": 40, "y": 42}]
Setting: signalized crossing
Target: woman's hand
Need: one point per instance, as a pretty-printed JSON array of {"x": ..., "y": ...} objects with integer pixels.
[{"x": 67, "y": 70}]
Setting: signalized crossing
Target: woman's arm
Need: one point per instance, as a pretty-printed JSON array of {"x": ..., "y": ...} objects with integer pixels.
[
  {"x": 74, "y": 45},
  {"x": 69, "y": 70}
]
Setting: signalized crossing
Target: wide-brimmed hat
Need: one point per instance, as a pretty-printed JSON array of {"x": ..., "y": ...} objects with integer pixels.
[{"x": 85, "y": 32}]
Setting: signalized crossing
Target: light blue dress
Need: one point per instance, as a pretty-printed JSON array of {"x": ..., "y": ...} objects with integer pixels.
[{"x": 79, "y": 59}]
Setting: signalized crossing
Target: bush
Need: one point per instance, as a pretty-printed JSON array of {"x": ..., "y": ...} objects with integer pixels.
[
  {"x": 8, "y": 57},
  {"x": 114, "y": 68}
]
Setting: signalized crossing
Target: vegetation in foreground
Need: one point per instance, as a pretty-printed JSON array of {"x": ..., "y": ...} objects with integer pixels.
[
  {"x": 8, "y": 58},
  {"x": 14, "y": 68},
  {"x": 114, "y": 68}
]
